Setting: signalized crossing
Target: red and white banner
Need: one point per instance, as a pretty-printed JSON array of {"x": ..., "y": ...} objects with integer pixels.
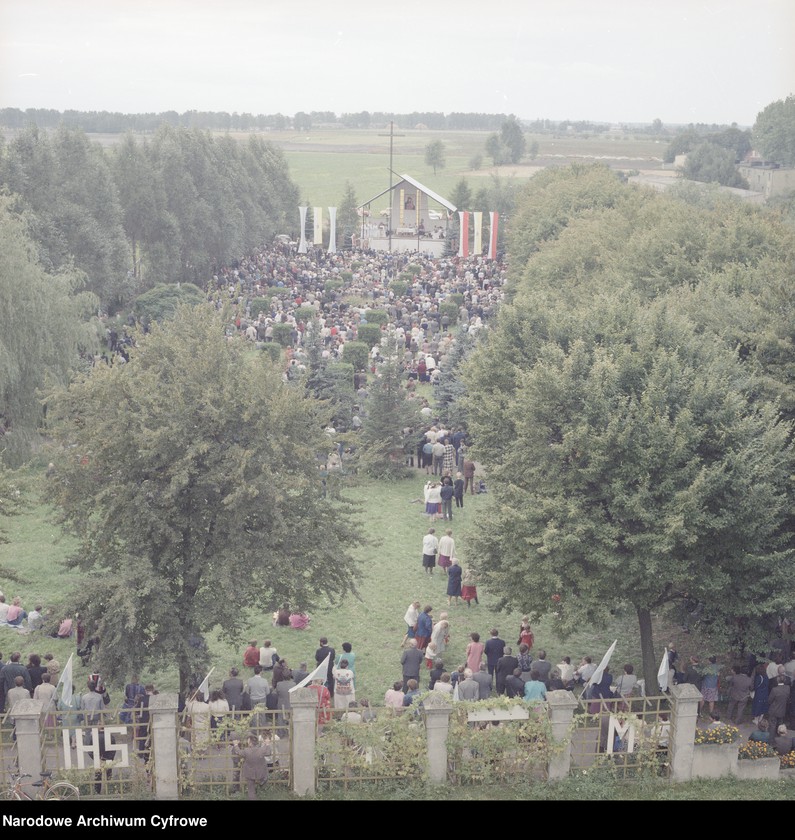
[
  {"x": 302, "y": 243},
  {"x": 463, "y": 237},
  {"x": 494, "y": 221}
]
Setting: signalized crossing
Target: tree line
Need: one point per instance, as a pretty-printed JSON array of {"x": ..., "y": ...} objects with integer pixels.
[{"x": 161, "y": 209}]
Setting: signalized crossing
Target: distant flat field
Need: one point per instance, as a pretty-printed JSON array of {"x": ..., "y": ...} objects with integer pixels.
[{"x": 322, "y": 160}]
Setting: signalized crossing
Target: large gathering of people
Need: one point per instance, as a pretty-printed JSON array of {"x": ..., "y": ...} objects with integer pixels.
[{"x": 333, "y": 293}]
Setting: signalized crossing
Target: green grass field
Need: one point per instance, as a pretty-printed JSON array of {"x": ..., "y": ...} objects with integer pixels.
[
  {"x": 371, "y": 619},
  {"x": 321, "y": 161}
]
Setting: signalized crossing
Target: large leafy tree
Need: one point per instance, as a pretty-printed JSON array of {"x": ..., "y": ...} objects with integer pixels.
[
  {"x": 46, "y": 324},
  {"x": 639, "y": 470},
  {"x": 713, "y": 164},
  {"x": 774, "y": 131},
  {"x": 74, "y": 210},
  {"x": 189, "y": 477},
  {"x": 513, "y": 139},
  {"x": 613, "y": 286}
]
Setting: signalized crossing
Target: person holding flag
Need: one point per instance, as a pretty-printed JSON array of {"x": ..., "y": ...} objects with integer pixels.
[{"x": 68, "y": 703}]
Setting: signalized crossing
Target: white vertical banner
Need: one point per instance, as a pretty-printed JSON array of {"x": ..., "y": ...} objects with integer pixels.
[
  {"x": 477, "y": 245},
  {"x": 317, "y": 213},
  {"x": 302, "y": 243},
  {"x": 332, "y": 236}
]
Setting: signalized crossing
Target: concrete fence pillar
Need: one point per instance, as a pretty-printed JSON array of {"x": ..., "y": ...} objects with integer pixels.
[
  {"x": 304, "y": 716},
  {"x": 436, "y": 709},
  {"x": 684, "y": 716},
  {"x": 560, "y": 708},
  {"x": 164, "y": 730},
  {"x": 27, "y": 727}
]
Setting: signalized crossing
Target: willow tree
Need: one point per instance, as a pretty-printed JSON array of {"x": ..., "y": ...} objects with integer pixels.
[
  {"x": 189, "y": 477},
  {"x": 44, "y": 326}
]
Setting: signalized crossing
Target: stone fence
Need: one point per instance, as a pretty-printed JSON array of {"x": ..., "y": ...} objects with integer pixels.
[{"x": 436, "y": 710}]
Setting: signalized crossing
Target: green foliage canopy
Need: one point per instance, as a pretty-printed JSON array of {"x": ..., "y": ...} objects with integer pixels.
[{"x": 189, "y": 477}]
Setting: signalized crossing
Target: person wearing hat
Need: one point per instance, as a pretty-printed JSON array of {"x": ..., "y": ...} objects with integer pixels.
[{"x": 783, "y": 743}]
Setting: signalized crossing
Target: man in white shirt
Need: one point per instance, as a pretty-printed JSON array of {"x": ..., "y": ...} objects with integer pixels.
[
  {"x": 566, "y": 671},
  {"x": 585, "y": 671}
]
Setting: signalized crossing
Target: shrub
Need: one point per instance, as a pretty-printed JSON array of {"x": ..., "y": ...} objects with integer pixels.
[
  {"x": 161, "y": 301},
  {"x": 449, "y": 309},
  {"x": 370, "y": 334},
  {"x": 305, "y": 313},
  {"x": 413, "y": 269},
  {"x": 376, "y": 316},
  {"x": 356, "y": 353},
  {"x": 399, "y": 287},
  {"x": 258, "y": 305},
  {"x": 456, "y": 297},
  {"x": 282, "y": 334},
  {"x": 272, "y": 349}
]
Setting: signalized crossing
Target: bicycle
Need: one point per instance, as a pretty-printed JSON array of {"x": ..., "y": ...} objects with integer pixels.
[{"x": 48, "y": 788}]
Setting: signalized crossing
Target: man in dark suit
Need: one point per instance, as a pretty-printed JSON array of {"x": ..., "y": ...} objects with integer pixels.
[
  {"x": 411, "y": 660},
  {"x": 514, "y": 684},
  {"x": 320, "y": 654},
  {"x": 482, "y": 678},
  {"x": 233, "y": 690},
  {"x": 494, "y": 649},
  {"x": 505, "y": 667},
  {"x": 254, "y": 763}
]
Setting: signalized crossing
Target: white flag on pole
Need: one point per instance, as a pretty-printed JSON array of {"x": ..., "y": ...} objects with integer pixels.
[
  {"x": 662, "y": 673},
  {"x": 204, "y": 687},
  {"x": 596, "y": 677},
  {"x": 66, "y": 683},
  {"x": 321, "y": 672}
]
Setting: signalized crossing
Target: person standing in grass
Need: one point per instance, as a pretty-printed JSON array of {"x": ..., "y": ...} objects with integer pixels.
[
  {"x": 454, "y": 574},
  {"x": 469, "y": 588},
  {"x": 424, "y": 628},
  {"x": 347, "y": 653},
  {"x": 474, "y": 653},
  {"x": 430, "y": 547},
  {"x": 446, "y": 550},
  {"x": 458, "y": 490},
  {"x": 446, "y": 494},
  {"x": 411, "y": 616}
]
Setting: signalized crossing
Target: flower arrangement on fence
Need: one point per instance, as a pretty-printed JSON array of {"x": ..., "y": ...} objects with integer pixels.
[
  {"x": 788, "y": 761},
  {"x": 717, "y": 735},
  {"x": 756, "y": 749}
]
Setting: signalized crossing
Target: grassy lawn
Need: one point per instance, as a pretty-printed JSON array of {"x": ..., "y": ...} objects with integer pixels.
[
  {"x": 372, "y": 619},
  {"x": 322, "y": 161}
]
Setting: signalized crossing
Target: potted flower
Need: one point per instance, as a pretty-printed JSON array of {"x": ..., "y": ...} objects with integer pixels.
[
  {"x": 757, "y": 760},
  {"x": 716, "y": 751}
]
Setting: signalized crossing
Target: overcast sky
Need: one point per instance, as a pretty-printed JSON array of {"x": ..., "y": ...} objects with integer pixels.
[{"x": 683, "y": 61}]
